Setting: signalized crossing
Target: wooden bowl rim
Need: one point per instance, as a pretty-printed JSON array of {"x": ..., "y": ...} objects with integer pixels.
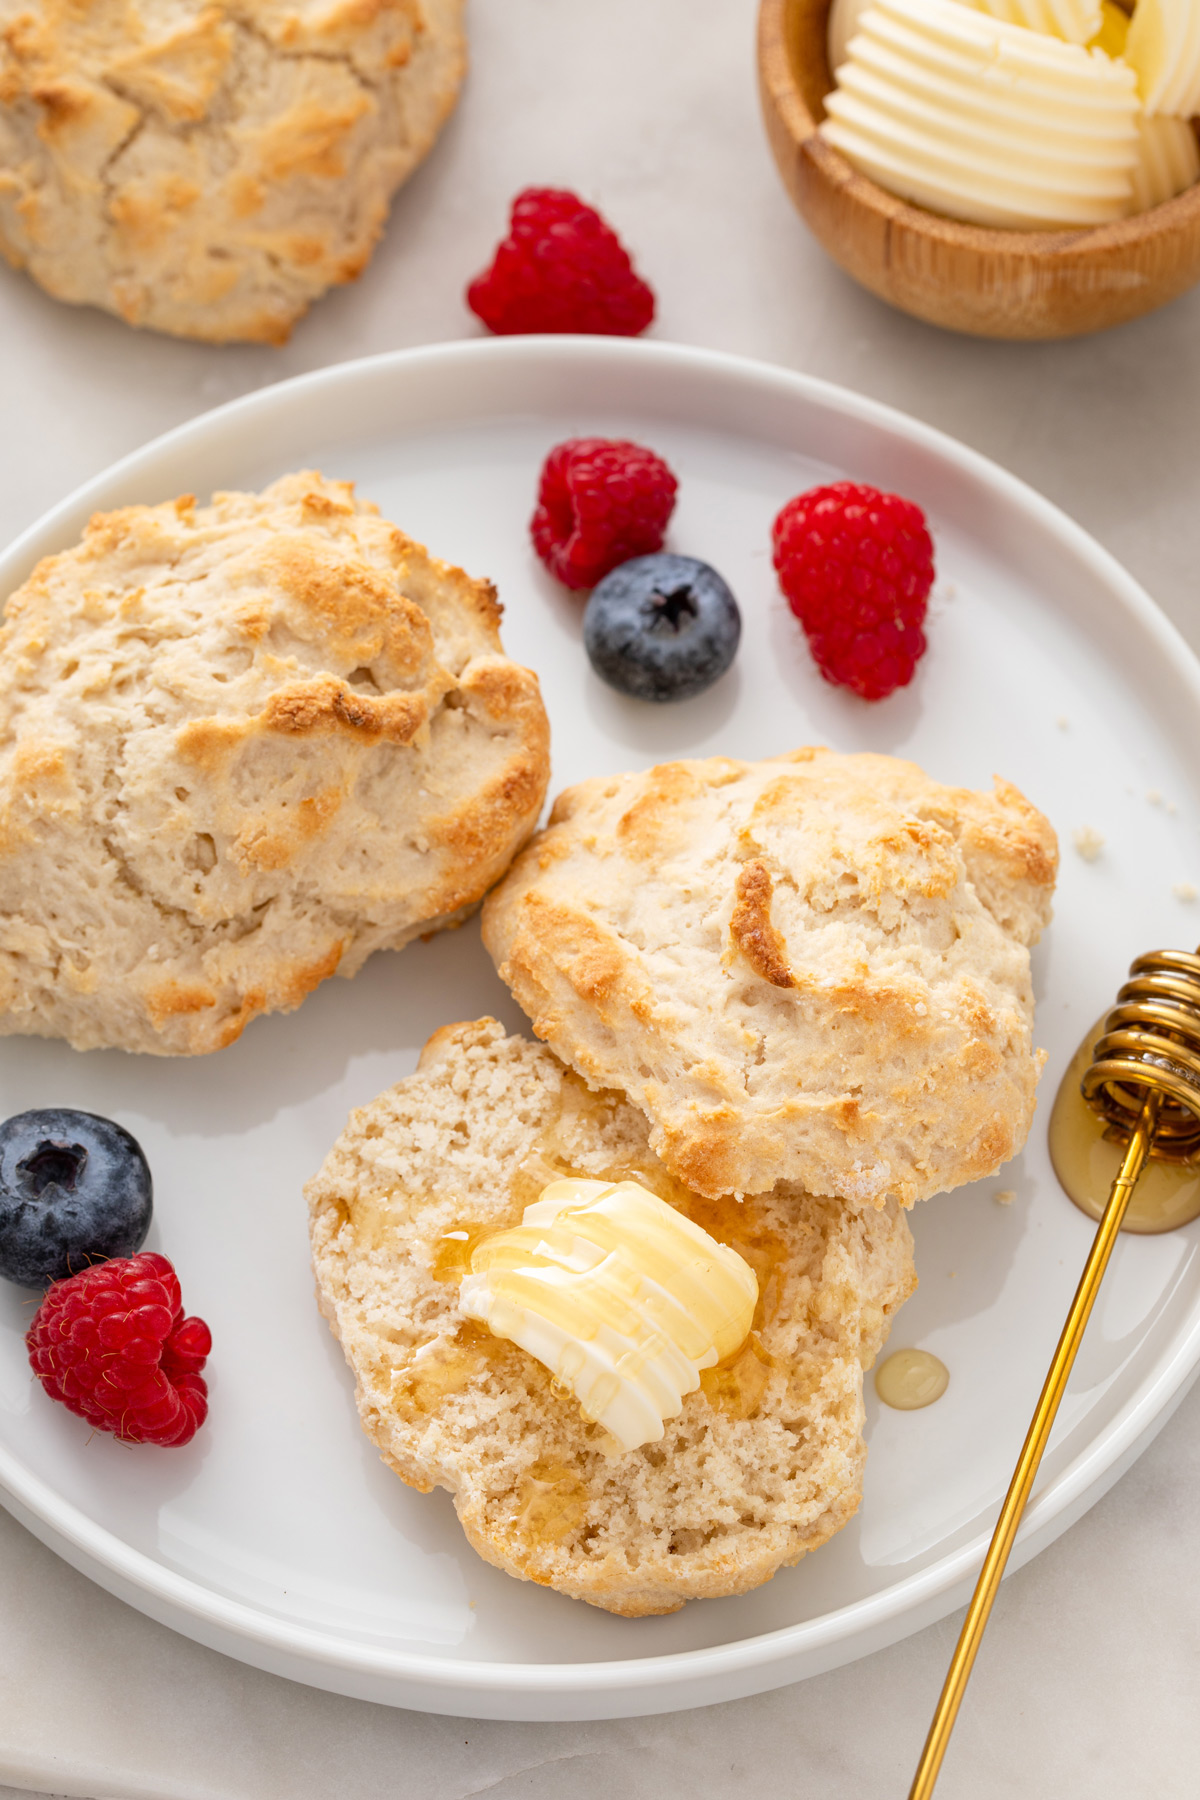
[{"x": 779, "y": 83}]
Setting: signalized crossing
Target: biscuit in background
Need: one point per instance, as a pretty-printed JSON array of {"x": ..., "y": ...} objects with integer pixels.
[
  {"x": 811, "y": 969},
  {"x": 765, "y": 1461},
  {"x": 241, "y": 747},
  {"x": 207, "y": 169}
]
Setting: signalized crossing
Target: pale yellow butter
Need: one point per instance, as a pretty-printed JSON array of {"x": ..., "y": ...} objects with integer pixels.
[
  {"x": 843, "y": 23},
  {"x": 1163, "y": 47},
  {"x": 985, "y": 120},
  {"x": 1113, "y": 32},
  {"x": 620, "y": 1296},
  {"x": 1168, "y": 161},
  {"x": 1075, "y": 21}
]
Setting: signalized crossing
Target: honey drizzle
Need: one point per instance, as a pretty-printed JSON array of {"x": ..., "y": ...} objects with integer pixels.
[
  {"x": 551, "y": 1502},
  {"x": 738, "y": 1385},
  {"x": 444, "y": 1370},
  {"x": 370, "y": 1217},
  {"x": 451, "y": 1258}
]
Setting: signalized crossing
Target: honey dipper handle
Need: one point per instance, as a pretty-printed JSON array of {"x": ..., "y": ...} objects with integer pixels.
[{"x": 1036, "y": 1439}]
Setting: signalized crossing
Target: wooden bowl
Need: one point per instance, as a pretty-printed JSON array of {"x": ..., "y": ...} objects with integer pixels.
[{"x": 1004, "y": 284}]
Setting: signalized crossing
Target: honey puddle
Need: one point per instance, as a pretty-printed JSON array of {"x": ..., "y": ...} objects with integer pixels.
[
  {"x": 909, "y": 1379},
  {"x": 1086, "y": 1161}
]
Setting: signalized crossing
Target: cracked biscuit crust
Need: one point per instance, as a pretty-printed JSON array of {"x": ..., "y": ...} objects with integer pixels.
[
  {"x": 765, "y": 1461},
  {"x": 241, "y": 747},
  {"x": 812, "y": 969},
  {"x": 209, "y": 167}
]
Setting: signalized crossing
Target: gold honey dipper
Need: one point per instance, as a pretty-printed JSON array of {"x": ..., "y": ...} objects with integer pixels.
[{"x": 1144, "y": 1081}]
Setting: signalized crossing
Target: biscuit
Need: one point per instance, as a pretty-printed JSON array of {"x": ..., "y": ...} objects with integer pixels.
[
  {"x": 765, "y": 1460},
  {"x": 209, "y": 169},
  {"x": 811, "y": 969},
  {"x": 241, "y": 747}
]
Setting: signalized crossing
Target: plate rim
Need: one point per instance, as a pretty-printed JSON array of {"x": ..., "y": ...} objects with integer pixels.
[{"x": 98, "y": 1550}]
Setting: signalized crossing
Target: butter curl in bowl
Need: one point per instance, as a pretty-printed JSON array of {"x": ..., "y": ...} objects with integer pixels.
[{"x": 1020, "y": 169}]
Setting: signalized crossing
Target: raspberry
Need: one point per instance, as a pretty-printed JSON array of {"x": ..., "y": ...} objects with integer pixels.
[
  {"x": 561, "y": 268},
  {"x": 856, "y": 566},
  {"x": 113, "y": 1345},
  {"x": 600, "y": 501}
]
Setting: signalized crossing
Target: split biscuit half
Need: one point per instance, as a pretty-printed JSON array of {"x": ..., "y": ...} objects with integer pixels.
[{"x": 764, "y": 1462}]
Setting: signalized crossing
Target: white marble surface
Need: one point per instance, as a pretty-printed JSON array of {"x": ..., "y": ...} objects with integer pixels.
[{"x": 1086, "y": 1686}]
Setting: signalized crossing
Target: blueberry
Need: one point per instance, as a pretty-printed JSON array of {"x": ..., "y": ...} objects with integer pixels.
[
  {"x": 661, "y": 627},
  {"x": 74, "y": 1190}
]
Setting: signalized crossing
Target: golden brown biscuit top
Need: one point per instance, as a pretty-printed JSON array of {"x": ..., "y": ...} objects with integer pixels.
[
  {"x": 249, "y": 743},
  {"x": 209, "y": 168},
  {"x": 814, "y": 968}
]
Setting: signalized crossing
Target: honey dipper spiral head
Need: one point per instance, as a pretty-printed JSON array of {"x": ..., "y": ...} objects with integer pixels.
[{"x": 1151, "y": 1043}]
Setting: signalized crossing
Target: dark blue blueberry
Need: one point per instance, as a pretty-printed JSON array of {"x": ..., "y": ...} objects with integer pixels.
[
  {"x": 74, "y": 1189},
  {"x": 661, "y": 627}
]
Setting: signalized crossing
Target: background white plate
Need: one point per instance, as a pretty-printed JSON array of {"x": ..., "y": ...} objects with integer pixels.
[{"x": 277, "y": 1536}]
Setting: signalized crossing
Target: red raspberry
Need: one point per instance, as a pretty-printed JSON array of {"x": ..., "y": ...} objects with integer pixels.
[
  {"x": 856, "y": 566},
  {"x": 561, "y": 268},
  {"x": 600, "y": 501},
  {"x": 113, "y": 1345}
]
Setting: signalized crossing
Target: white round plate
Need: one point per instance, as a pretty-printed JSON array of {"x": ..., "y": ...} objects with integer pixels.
[{"x": 278, "y": 1536}]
